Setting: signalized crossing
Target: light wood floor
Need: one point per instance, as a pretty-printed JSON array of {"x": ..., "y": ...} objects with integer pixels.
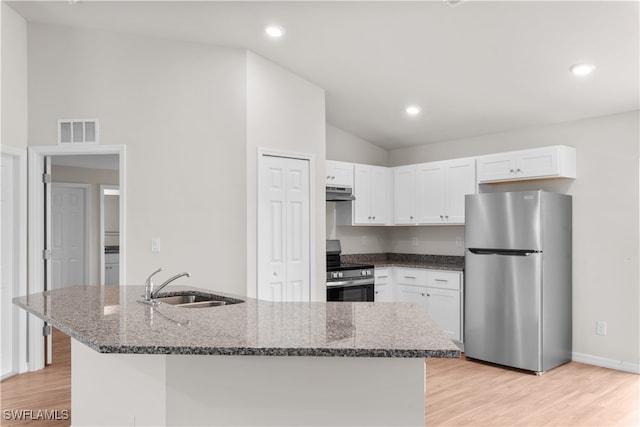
[
  {"x": 48, "y": 389},
  {"x": 468, "y": 393},
  {"x": 459, "y": 393}
]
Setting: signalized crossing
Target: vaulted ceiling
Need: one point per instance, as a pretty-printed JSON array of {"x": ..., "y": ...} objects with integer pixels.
[{"x": 476, "y": 68}]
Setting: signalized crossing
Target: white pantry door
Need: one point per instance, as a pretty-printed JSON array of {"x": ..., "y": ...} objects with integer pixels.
[
  {"x": 284, "y": 272},
  {"x": 69, "y": 240}
]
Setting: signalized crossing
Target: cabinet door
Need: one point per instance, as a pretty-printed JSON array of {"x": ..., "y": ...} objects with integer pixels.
[
  {"x": 537, "y": 163},
  {"x": 414, "y": 294},
  {"x": 362, "y": 190},
  {"x": 112, "y": 274},
  {"x": 338, "y": 173},
  {"x": 460, "y": 181},
  {"x": 443, "y": 306},
  {"x": 431, "y": 209},
  {"x": 383, "y": 293},
  {"x": 379, "y": 195},
  {"x": 405, "y": 192},
  {"x": 496, "y": 167}
]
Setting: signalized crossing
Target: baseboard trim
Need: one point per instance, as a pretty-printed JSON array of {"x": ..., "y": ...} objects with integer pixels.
[{"x": 605, "y": 362}]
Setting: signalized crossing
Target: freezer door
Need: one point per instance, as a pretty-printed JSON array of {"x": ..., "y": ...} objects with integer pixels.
[
  {"x": 502, "y": 309},
  {"x": 503, "y": 220}
]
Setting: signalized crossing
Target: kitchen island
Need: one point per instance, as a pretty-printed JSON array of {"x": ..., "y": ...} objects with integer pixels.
[{"x": 250, "y": 363}]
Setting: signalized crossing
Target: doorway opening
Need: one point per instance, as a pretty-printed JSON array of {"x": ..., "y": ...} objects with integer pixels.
[{"x": 71, "y": 237}]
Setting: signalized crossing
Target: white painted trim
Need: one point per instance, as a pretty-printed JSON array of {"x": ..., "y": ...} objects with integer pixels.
[
  {"x": 604, "y": 362},
  {"x": 313, "y": 292},
  {"x": 36, "y": 156},
  {"x": 20, "y": 163},
  {"x": 87, "y": 222}
]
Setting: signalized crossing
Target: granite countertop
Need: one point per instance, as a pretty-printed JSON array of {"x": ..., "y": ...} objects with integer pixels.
[
  {"x": 109, "y": 319},
  {"x": 381, "y": 260}
]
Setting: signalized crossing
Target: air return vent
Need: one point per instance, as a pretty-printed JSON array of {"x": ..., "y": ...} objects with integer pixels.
[{"x": 78, "y": 131}]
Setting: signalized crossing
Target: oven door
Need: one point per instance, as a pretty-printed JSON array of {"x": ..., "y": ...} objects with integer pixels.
[{"x": 351, "y": 291}]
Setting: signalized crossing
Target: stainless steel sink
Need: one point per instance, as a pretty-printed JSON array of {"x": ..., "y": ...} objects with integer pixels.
[{"x": 196, "y": 300}]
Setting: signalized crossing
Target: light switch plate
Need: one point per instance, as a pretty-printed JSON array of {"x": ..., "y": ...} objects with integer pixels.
[{"x": 155, "y": 244}]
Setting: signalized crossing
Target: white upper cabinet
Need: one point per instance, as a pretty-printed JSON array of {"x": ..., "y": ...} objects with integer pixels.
[
  {"x": 431, "y": 192},
  {"x": 371, "y": 189},
  {"x": 441, "y": 190},
  {"x": 558, "y": 161},
  {"x": 460, "y": 180},
  {"x": 338, "y": 173},
  {"x": 405, "y": 192}
]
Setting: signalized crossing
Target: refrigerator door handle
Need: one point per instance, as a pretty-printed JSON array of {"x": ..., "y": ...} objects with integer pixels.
[{"x": 515, "y": 252}]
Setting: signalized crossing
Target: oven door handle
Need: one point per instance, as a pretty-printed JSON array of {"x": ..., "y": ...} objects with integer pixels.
[{"x": 346, "y": 283}]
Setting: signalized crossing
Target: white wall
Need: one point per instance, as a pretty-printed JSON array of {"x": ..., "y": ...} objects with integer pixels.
[
  {"x": 13, "y": 71},
  {"x": 284, "y": 112},
  {"x": 605, "y": 221},
  {"x": 93, "y": 177},
  {"x": 180, "y": 110},
  {"x": 343, "y": 146}
]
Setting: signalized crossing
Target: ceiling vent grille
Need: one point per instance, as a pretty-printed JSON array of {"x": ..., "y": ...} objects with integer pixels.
[{"x": 78, "y": 131}]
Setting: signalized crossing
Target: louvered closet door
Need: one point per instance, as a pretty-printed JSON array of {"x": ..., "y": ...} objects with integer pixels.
[{"x": 283, "y": 229}]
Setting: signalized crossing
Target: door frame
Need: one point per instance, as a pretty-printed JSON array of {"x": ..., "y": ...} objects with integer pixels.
[
  {"x": 19, "y": 162},
  {"x": 36, "y": 159},
  {"x": 312, "y": 213},
  {"x": 87, "y": 222}
]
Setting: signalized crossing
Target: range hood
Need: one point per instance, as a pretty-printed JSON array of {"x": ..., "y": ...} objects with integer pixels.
[{"x": 339, "y": 194}]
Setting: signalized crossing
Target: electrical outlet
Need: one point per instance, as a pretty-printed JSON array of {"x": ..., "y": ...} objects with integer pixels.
[
  {"x": 459, "y": 241},
  {"x": 414, "y": 241},
  {"x": 601, "y": 327}
]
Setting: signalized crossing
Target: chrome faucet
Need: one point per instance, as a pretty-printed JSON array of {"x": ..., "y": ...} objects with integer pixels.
[
  {"x": 148, "y": 285},
  {"x": 154, "y": 292}
]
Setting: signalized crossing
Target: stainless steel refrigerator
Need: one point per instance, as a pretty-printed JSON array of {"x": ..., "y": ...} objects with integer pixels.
[{"x": 517, "y": 308}]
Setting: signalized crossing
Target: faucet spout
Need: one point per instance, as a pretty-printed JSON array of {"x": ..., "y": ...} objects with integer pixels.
[{"x": 155, "y": 292}]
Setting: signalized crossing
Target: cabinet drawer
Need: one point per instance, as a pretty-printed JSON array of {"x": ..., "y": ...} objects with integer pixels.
[
  {"x": 111, "y": 258},
  {"x": 443, "y": 279},
  {"x": 382, "y": 276},
  {"x": 411, "y": 276}
]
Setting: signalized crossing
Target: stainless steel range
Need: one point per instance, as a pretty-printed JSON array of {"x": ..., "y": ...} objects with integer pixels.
[{"x": 347, "y": 282}]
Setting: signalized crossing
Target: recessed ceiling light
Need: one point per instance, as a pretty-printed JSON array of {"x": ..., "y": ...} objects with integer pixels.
[
  {"x": 274, "y": 31},
  {"x": 581, "y": 69},
  {"x": 413, "y": 110}
]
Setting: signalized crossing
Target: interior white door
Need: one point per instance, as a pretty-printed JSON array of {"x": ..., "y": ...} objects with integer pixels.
[
  {"x": 283, "y": 229},
  {"x": 69, "y": 247}
]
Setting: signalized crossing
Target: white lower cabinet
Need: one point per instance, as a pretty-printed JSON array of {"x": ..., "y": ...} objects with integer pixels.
[
  {"x": 383, "y": 286},
  {"x": 111, "y": 269},
  {"x": 439, "y": 293}
]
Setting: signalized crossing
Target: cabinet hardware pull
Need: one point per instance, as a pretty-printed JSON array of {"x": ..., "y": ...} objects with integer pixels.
[
  {"x": 427, "y": 295},
  {"x": 374, "y": 217},
  {"x": 377, "y": 292},
  {"x": 410, "y": 277},
  {"x": 511, "y": 171},
  {"x": 411, "y": 217},
  {"x": 423, "y": 294},
  {"x": 441, "y": 280},
  {"x": 518, "y": 170},
  {"x": 382, "y": 277}
]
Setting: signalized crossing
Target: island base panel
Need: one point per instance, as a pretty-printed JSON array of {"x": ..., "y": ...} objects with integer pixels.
[{"x": 147, "y": 389}]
